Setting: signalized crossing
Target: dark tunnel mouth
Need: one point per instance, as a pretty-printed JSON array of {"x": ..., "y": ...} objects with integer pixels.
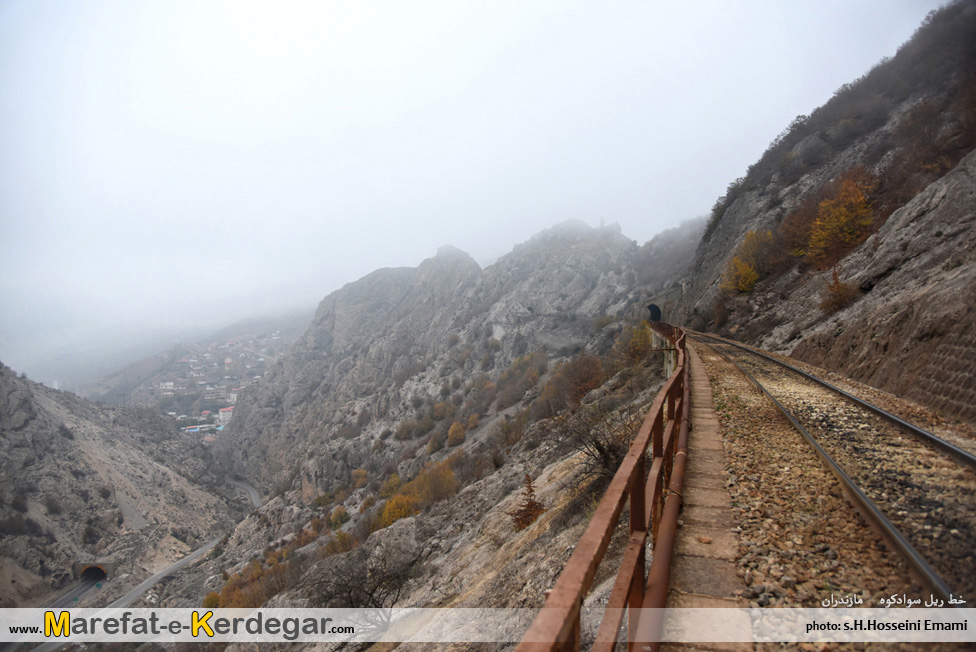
[{"x": 94, "y": 574}]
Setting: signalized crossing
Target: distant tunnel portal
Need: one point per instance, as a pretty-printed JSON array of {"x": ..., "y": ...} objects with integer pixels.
[
  {"x": 96, "y": 570},
  {"x": 94, "y": 574}
]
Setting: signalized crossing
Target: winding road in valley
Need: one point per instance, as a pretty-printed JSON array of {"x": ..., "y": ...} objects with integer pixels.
[
  {"x": 251, "y": 491},
  {"x": 126, "y": 600}
]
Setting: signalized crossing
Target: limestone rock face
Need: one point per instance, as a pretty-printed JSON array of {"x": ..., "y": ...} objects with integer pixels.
[
  {"x": 908, "y": 331},
  {"x": 16, "y": 410},
  {"x": 757, "y": 209},
  {"x": 397, "y": 337},
  {"x": 913, "y": 331},
  {"x": 344, "y": 411},
  {"x": 896, "y": 310}
]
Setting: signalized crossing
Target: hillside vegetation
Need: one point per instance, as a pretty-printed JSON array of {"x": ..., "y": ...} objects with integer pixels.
[
  {"x": 507, "y": 404},
  {"x": 926, "y": 92},
  {"x": 438, "y": 434},
  {"x": 798, "y": 255},
  {"x": 81, "y": 481}
]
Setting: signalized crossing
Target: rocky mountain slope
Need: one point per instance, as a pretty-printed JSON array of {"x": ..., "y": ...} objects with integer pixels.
[
  {"x": 411, "y": 414},
  {"x": 423, "y": 406},
  {"x": 382, "y": 353},
  {"x": 368, "y": 402},
  {"x": 912, "y": 331},
  {"x": 424, "y": 409},
  {"x": 81, "y": 481},
  {"x": 462, "y": 547},
  {"x": 849, "y": 244}
]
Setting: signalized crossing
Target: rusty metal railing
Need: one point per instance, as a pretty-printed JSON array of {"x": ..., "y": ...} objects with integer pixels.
[{"x": 655, "y": 500}]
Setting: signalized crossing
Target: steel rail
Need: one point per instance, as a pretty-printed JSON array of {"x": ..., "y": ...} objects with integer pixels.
[
  {"x": 915, "y": 560},
  {"x": 937, "y": 442}
]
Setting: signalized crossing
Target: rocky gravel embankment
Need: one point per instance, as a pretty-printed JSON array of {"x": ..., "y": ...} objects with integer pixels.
[
  {"x": 800, "y": 541},
  {"x": 927, "y": 495}
]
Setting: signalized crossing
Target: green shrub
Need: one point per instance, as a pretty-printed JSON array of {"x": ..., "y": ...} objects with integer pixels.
[
  {"x": 17, "y": 525},
  {"x": 89, "y": 535}
]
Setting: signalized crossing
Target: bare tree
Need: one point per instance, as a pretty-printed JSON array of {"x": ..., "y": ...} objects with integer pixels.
[
  {"x": 370, "y": 578},
  {"x": 362, "y": 579},
  {"x": 602, "y": 439}
]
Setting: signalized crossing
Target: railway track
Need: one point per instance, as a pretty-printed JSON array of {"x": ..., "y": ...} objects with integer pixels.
[{"x": 917, "y": 489}]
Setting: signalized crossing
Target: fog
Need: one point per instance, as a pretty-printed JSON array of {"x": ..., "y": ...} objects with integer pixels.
[{"x": 168, "y": 167}]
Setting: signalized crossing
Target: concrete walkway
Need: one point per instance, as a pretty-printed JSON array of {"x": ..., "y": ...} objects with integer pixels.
[{"x": 704, "y": 571}]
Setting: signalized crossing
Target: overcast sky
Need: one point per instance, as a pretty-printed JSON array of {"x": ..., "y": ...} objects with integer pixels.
[{"x": 175, "y": 162}]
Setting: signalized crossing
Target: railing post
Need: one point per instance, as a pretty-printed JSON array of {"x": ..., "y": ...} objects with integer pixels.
[
  {"x": 638, "y": 523},
  {"x": 678, "y": 408},
  {"x": 671, "y": 398},
  {"x": 573, "y": 644},
  {"x": 657, "y": 437},
  {"x": 658, "y": 497}
]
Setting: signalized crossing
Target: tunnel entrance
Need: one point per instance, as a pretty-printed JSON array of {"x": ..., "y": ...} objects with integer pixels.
[
  {"x": 94, "y": 574},
  {"x": 96, "y": 569}
]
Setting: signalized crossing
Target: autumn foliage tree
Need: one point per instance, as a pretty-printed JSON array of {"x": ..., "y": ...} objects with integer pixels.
[
  {"x": 574, "y": 379},
  {"x": 838, "y": 294},
  {"x": 455, "y": 436},
  {"x": 844, "y": 219},
  {"x": 634, "y": 343},
  {"x": 752, "y": 260},
  {"x": 569, "y": 382},
  {"x": 397, "y": 507},
  {"x": 581, "y": 375},
  {"x": 434, "y": 482},
  {"x": 757, "y": 250},
  {"x": 740, "y": 277},
  {"x": 793, "y": 234},
  {"x": 529, "y": 510}
]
